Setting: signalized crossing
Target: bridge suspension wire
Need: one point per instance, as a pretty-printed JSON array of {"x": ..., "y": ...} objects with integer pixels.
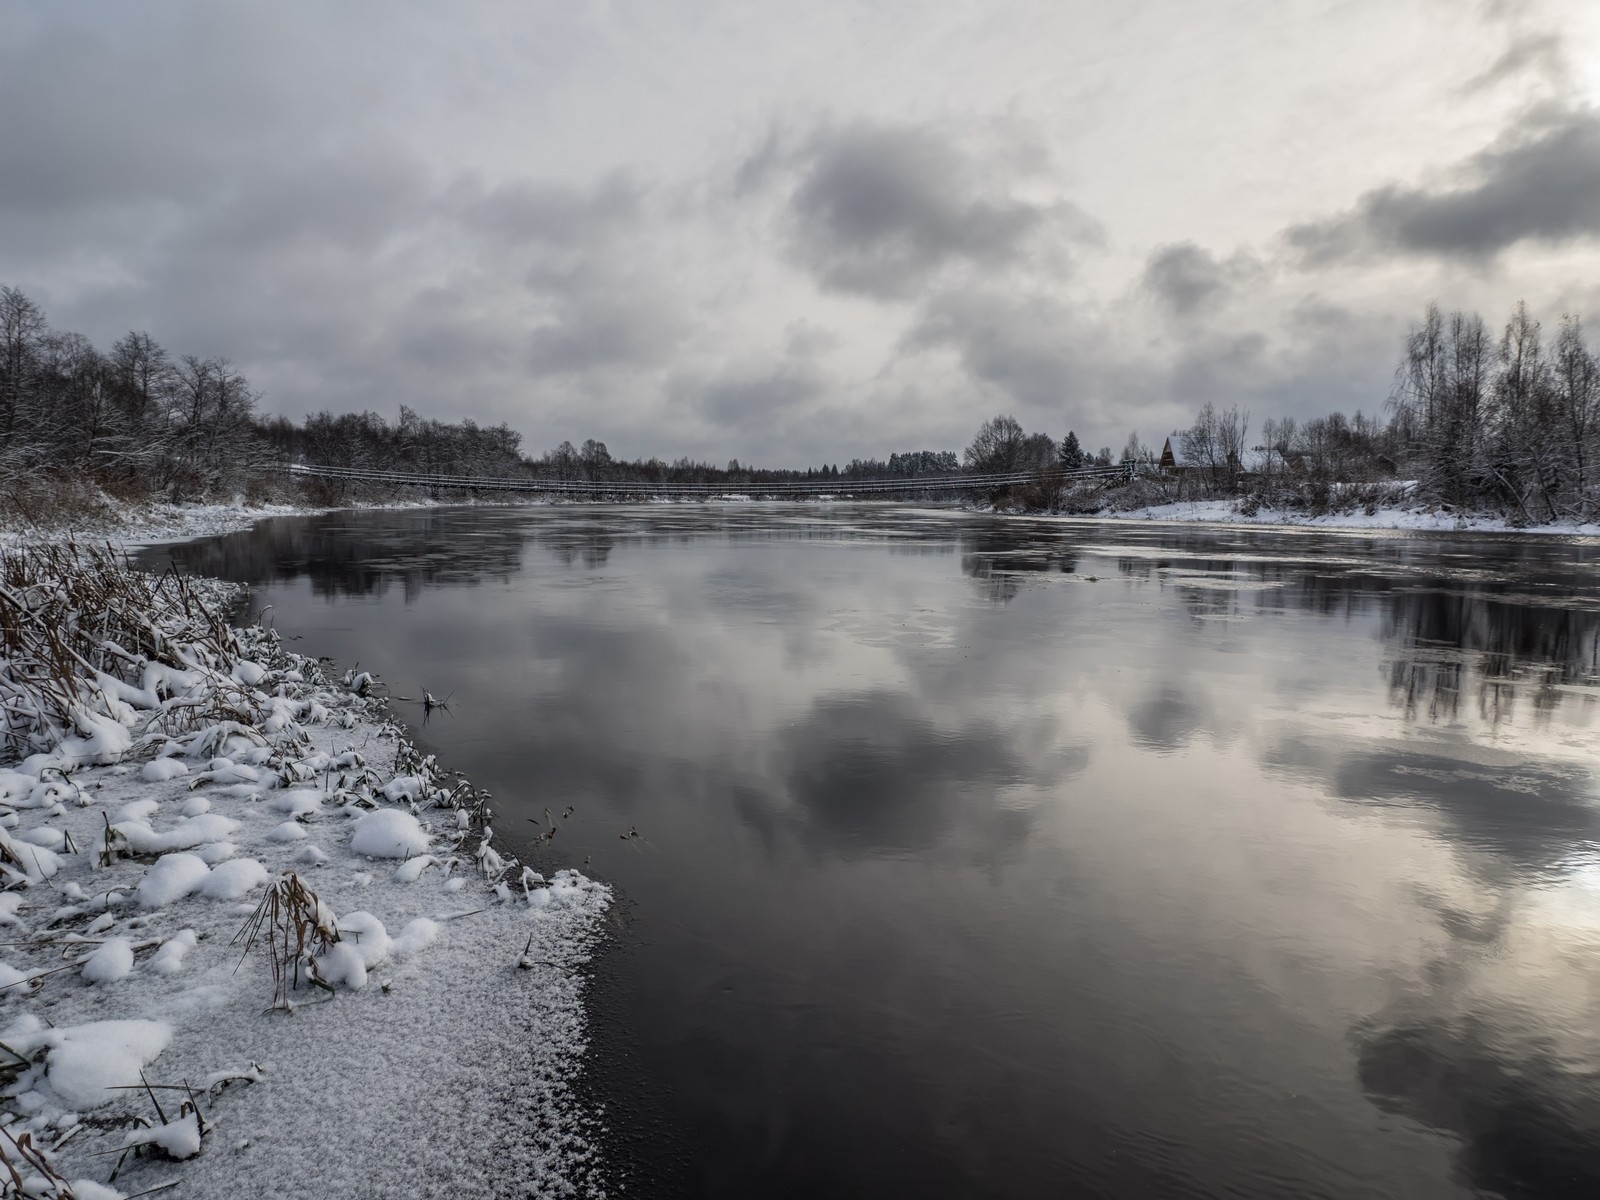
[{"x": 636, "y": 487}]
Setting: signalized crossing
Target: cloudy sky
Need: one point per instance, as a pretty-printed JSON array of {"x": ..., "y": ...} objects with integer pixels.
[{"x": 802, "y": 232}]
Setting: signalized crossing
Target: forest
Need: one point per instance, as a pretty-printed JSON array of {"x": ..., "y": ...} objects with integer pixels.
[{"x": 1474, "y": 421}]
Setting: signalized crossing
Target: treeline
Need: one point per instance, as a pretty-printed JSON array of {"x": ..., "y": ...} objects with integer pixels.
[
  {"x": 139, "y": 419},
  {"x": 592, "y": 461},
  {"x": 412, "y": 444},
  {"x": 1509, "y": 424},
  {"x": 1002, "y": 446},
  {"x": 182, "y": 424},
  {"x": 1475, "y": 422}
]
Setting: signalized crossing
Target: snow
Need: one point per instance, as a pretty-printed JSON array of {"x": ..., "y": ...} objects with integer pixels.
[
  {"x": 1225, "y": 512},
  {"x": 179, "y": 1139},
  {"x": 111, "y": 962},
  {"x": 411, "y": 870},
  {"x": 234, "y": 878},
  {"x": 414, "y": 938},
  {"x": 173, "y": 523},
  {"x": 130, "y": 950},
  {"x": 162, "y": 769},
  {"x": 171, "y": 878},
  {"x": 168, "y": 959},
  {"x": 388, "y": 833},
  {"x": 365, "y": 934},
  {"x": 195, "y": 831},
  {"x": 86, "y": 1062}
]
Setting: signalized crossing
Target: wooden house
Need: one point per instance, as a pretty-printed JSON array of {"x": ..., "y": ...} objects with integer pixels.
[{"x": 1172, "y": 458}]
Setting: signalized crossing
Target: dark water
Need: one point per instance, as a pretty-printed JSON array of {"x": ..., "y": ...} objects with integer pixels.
[{"x": 985, "y": 857}]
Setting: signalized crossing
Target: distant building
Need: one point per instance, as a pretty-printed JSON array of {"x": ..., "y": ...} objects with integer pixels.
[{"x": 1172, "y": 458}]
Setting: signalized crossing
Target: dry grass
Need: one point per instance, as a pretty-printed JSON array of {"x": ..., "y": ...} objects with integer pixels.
[
  {"x": 27, "y": 1171},
  {"x": 69, "y": 616},
  {"x": 295, "y": 925}
]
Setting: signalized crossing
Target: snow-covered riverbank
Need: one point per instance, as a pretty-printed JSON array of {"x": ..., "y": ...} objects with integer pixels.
[
  {"x": 1226, "y": 512},
  {"x": 158, "y": 523},
  {"x": 187, "y": 522},
  {"x": 229, "y": 876}
]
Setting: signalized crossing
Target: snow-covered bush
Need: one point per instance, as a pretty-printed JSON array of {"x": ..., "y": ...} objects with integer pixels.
[{"x": 93, "y": 651}]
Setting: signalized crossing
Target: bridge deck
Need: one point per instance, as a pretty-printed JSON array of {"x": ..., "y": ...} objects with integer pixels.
[{"x": 634, "y": 487}]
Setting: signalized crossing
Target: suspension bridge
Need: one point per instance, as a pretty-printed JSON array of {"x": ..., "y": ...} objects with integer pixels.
[{"x": 755, "y": 489}]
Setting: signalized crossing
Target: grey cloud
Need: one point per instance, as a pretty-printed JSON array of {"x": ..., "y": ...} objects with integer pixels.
[
  {"x": 1541, "y": 55},
  {"x": 98, "y": 117},
  {"x": 880, "y": 209},
  {"x": 767, "y": 397},
  {"x": 351, "y": 201},
  {"x": 1182, "y": 277},
  {"x": 1041, "y": 355},
  {"x": 523, "y": 211},
  {"x": 1541, "y": 183},
  {"x": 595, "y": 328}
]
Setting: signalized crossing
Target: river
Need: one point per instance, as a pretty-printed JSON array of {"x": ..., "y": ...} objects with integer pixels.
[{"x": 961, "y": 855}]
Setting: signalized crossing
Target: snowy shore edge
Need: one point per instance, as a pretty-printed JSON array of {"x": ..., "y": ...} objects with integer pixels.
[
  {"x": 179, "y": 523},
  {"x": 255, "y": 943}
]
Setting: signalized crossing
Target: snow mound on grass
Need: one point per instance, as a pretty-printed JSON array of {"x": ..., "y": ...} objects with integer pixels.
[
  {"x": 168, "y": 960},
  {"x": 163, "y": 769},
  {"x": 341, "y": 965},
  {"x": 411, "y": 870},
  {"x": 44, "y": 835},
  {"x": 180, "y": 1138},
  {"x": 367, "y": 935},
  {"x": 171, "y": 878},
  {"x": 231, "y": 879},
  {"x": 363, "y": 944},
  {"x": 297, "y": 803},
  {"x": 196, "y": 831},
  {"x": 388, "y": 833},
  {"x": 111, "y": 961},
  {"x": 103, "y": 740},
  {"x": 89, "y": 1061}
]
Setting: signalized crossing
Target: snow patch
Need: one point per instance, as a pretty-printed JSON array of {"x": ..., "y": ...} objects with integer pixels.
[
  {"x": 111, "y": 961},
  {"x": 388, "y": 833},
  {"x": 87, "y": 1061},
  {"x": 171, "y": 878}
]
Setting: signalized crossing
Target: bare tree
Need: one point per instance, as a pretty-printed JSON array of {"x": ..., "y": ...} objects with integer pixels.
[
  {"x": 1576, "y": 383},
  {"x": 1233, "y": 430},
  {"x": 141, "y": 380},
  {"x": 1202, "y": 444},
  {"x": 22, "y": 327},
  {"x": 998, "y": 447}
]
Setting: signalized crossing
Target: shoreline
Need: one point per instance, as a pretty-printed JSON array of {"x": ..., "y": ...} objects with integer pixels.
[
  {"x": 174, "y": 524},
  {"x": 1225, "y": 514},
  {"x": 139, "y": 849}
]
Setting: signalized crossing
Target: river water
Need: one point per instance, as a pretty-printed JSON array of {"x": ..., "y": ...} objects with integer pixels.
[{"x": 961, "y": 856}]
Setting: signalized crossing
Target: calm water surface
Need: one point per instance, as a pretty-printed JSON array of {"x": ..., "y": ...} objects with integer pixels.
[{"x": 986, "y": 857}]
